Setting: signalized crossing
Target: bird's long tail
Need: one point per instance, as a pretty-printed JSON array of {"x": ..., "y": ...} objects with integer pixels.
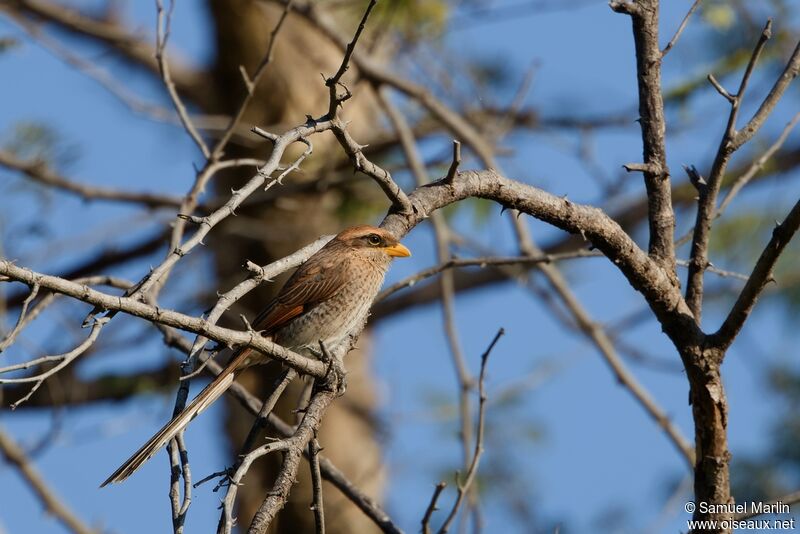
[{"x": 203, "y": 400}]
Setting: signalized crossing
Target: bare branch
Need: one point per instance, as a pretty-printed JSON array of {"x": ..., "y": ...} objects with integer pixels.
[
  {"x": 316, "y": 483},
  {"x": 381, "y": 176},
  {"x": 644, "y": 16},
  {"x": 680, "y": 29},
  {"x": 15, "y": 456},
  {"x": 721, "y": 90},
  {"x": 789, "y": 73},
  {"x": 40, "y": 172},
  {"x": 250, "y": 84},
  {"x": 334, "y": 81},
  {"x": 374, "y": 72},
  {"x": 179, "y": 469},
  {"x": 62, "y": 360},
  {"x": 246, "y": 456},
  {"x": 760, "y": 277},
  {"x": 163, "y": 26},
  {"x": 128, "y": 45},
  {"x": 756, "y": 166},
  {"x": 482, "y": 262},
  {"x": 155, "y": 314},
  {"x": 236, "y": 478},
  {"x": 22, "y": 320},
  {"x": 731, "y": 141},
  {"x": 463, "y": 487},
  {"x": 426, "y": 519},
  {"x": 590, "y": 222},
  {"x": 277, "y": 496}
]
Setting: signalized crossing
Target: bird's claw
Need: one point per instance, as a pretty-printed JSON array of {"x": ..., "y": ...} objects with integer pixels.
[{"x": 336, "y": 377}]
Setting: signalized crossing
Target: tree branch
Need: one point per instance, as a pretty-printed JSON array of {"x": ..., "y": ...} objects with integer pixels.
[
  {"x": 155, "y": 314},
  {"x": 39, "y": 172},
  {"x": 731, "y": 141},
  {"x": 661, "y": 219},
  {"x": 760, "y": 277},
  {"x": 592, "y": 223},
  {"x": 133, "y": 48},
  {"x": 15, "y": 456}
]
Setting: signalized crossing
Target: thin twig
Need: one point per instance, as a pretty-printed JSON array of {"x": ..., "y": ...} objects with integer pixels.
[
  {"x": 756, "y": 166},
  {"x": 9, "y": 338},
  {"x": 179, "y": 470},
  {"x": 463, "y": 487},
  {"x": 316, "y": 484},
  {"x": 334, "y": 81},
  {"x": 482, "y": 262},
  {"x": 40, "y": 172},
  {"x": 236, "y": 478},
  {"x": 163, "y": 28},
  {"x": 453, "y": 170},
  {"x": 15, "y": 456},
  {"x": 250, "y": 84},
  {"x": 782, "y": 234},
  {"x": 680, "y": 29},
  {"x": 432, "y": 507},
  {"x": 63, "y": 361},
  {"x": 464, "y": 379},
  {"x": 731, "y": 141},
  {"x": 361, "y": 163}
]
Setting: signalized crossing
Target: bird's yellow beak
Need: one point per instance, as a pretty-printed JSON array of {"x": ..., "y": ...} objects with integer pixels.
[{"x": 398, "y": 250}]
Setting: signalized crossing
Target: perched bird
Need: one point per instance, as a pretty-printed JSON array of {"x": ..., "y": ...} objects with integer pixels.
[{"x": 324, "y": 300}]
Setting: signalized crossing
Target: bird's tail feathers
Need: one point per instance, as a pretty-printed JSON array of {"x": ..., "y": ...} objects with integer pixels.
[{"x": 203, "y": 400}]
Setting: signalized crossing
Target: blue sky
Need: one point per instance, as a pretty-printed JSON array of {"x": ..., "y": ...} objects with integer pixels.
[{"x": 596, "y": 450}]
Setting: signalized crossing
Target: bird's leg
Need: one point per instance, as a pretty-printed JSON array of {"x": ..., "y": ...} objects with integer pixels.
[{"x": 336, "y": 375}]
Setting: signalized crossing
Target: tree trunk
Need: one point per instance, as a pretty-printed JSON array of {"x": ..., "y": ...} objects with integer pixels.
[{"x": 710, "y": 413}]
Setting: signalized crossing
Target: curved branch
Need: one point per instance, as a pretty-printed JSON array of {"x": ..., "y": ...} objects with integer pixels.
[{"x": 596, "y": 226}]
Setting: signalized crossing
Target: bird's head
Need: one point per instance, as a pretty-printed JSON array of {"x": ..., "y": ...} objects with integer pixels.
[{"x": 372, "y": 242}]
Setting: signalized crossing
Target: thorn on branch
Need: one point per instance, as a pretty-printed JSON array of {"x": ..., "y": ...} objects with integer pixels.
[
  {"x": 650, "y": 168},
  {"x": 246, "y": 323},
  {"x": 453, "y": 170},
  {"x": 248, "y": 83}
]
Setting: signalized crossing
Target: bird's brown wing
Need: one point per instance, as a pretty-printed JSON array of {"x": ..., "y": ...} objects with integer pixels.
[{"x": 312, "y": 283}]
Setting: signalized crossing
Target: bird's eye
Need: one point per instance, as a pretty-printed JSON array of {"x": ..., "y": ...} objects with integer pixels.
[{"x": 374, "y": 240}]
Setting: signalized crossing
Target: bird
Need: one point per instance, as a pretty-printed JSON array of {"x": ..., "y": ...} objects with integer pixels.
[{"x": 323, "y": 301}]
